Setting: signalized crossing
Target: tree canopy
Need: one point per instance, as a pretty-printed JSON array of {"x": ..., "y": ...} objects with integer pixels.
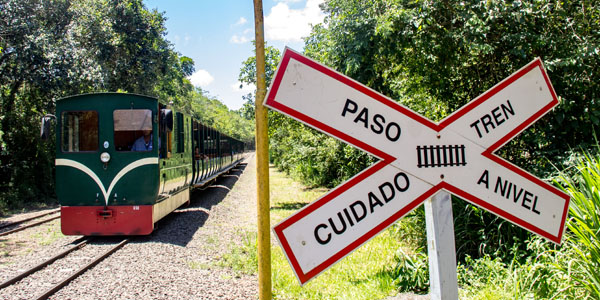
[{"x": 52, "y": 49}]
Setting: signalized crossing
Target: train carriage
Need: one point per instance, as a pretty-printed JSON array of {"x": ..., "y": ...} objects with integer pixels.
[{"x": 125, "y": 161}]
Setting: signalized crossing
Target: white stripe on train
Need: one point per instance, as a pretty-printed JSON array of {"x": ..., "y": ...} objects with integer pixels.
[{"x": 86, "y": 170}]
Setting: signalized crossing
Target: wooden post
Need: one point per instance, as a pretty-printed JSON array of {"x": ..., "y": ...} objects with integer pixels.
[
  {"x": 262, "y": 162},
  {"x": 443, "y": 283}
]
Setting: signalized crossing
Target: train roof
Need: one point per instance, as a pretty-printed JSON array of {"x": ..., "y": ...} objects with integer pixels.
[{"x": 85, "y": 95}]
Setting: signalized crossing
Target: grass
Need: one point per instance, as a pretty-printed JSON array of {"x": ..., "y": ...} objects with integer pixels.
[
  {"x": 242, "y": 258},
  {"x": 194, "y": 265},
  {"x": 584, "y": 222},
  {"x": 50, "y": 235}
]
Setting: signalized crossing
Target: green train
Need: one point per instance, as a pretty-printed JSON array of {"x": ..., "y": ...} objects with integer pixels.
[{"x": 125, "y": 161}]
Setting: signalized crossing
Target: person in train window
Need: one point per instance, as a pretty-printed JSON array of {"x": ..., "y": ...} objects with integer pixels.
[
  {"x": 144, "y": 142},
  {"x": 198, "y": 155}
]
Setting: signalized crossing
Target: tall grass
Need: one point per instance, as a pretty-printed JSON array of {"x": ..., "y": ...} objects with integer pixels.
[
  {"x": 532, "y": 268},
  {"x": 584, "y": 222}
]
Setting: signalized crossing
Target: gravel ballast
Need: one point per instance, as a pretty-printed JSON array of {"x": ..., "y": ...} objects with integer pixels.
[{"x": 179, "y": 260}]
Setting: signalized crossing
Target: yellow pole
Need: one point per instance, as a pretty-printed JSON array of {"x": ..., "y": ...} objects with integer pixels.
[{"x": 262, "y": 161}]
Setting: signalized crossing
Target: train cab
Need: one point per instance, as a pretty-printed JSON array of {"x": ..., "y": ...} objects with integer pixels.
[{"x": 107, "y": 154}]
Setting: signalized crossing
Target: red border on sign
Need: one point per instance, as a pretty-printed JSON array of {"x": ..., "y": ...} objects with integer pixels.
[{"x": 387, "y": 159}]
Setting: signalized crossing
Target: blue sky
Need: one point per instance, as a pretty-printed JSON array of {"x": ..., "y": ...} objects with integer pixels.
[{"x": 217, "y": 35}]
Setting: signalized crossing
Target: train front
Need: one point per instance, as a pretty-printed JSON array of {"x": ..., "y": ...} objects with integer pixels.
[{"x": 107, "y": 175}]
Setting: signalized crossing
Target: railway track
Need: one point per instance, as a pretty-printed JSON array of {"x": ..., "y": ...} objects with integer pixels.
[
  {"x": 12, "y": 224},
  {"x": 98, "y": 255}
]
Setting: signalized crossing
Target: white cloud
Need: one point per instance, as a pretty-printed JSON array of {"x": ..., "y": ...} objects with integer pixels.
[
  {"x": 237, "y": 39},
  {"x": 246, "y": 88},
  {"x": 241, "y": 21},
  {"x": 285, "y": 24},
  {"x": 201, "y": 78}
]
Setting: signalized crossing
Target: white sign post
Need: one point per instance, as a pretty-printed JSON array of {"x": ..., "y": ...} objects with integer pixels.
[
  {"x": 418, "y": 158},
  {"x": 440, "y": 247}
]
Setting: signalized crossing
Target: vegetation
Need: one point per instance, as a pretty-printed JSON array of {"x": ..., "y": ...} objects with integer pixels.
[
  {"x": 435, "y": 56},
  {"x": 242, "y": 259},
  {"x": 52, "y": 49},
  {"x": 583, "y": 237}
]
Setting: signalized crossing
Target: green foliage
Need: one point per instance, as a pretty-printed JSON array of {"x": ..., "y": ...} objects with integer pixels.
[
  {"x": 411, "y": 273},
  {"x": 214, "y": 113},
  {"x": 52, "y": 49},
  {"x": 57, "y": 48},
  {"x": 479, "y": 233},
  {"x": 584, "y": 222},
  {"x": 540, "y": 276},
  {"x": 247, "y": 76},
  {"x": 411, "y": 229}
]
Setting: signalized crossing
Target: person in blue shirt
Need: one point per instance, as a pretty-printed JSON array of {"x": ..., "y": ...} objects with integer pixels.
[{"x": 144, "y": 142}]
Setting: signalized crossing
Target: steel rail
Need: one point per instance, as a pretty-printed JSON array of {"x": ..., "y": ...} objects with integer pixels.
[
  {"x": 28, "y": 226},
  {"x": 63, "y": 283},
  {"x": 29, "y": 219},
  {"x": 43, "y": 264}
]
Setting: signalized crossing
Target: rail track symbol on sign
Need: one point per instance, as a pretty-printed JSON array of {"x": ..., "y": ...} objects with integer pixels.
[{"x": 418, "y": 157}]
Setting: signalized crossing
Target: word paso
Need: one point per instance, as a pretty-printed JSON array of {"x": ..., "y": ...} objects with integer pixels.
[{"x": 377, "y": 123}]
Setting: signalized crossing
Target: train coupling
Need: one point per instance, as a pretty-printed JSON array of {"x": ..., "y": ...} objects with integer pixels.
[{"x": 104, "y": 213}]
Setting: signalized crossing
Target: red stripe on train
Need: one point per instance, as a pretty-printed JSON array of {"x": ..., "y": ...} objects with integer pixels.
[{"x": 114, "y": 220}]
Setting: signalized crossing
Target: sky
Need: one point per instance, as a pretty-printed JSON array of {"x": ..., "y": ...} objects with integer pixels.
[{"x": 218, "y": 34}]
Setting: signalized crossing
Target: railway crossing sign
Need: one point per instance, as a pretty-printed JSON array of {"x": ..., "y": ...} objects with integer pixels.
[{"x": 418, "y": 158}]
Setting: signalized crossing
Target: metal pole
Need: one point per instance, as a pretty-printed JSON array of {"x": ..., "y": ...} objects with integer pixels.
[
  {"x": 262, "y": 161},
  {"x": 440, "y": 244}
]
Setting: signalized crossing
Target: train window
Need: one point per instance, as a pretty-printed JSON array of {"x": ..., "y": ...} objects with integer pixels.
[
  {"x": 79, "y": 131},
  {"x": 133, "y": 130}
]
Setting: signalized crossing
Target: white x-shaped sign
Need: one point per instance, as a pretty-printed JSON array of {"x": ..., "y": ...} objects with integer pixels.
[{"x": 418, "y": 158}]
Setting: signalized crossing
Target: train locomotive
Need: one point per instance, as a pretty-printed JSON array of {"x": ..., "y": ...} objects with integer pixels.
[{"x": 125, "y": 161}]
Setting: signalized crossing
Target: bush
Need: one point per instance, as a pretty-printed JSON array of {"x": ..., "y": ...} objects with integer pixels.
[{"x": 412, "y": 272}]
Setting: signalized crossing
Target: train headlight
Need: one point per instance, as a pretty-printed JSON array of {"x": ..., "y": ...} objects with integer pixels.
[{"x": 104, "y": 157}]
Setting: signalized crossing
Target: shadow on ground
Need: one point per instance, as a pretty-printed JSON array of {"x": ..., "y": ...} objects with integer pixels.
[
  {"x": 289, "y": 206},
  {"x": 179, "y": 227}
]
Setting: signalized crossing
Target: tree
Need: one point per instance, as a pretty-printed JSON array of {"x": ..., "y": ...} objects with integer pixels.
[
  {"x": 51, "y": 49},
  {"x": 248, "y": 108},
  {"x": 247, "y": 76}
]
